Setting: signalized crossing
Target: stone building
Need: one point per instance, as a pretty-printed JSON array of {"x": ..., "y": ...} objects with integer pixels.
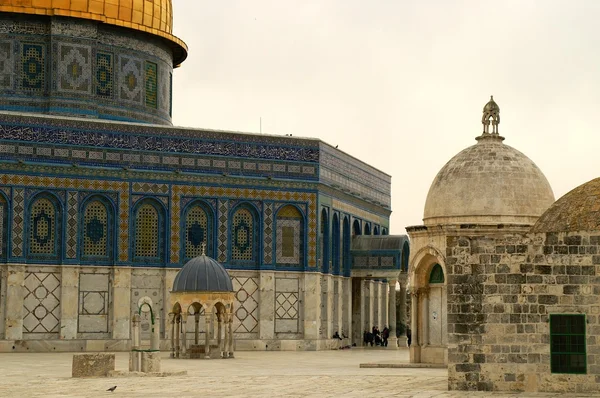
[
  {"x": 97, "y": 216},
  {"x": 503, "y": 283}
]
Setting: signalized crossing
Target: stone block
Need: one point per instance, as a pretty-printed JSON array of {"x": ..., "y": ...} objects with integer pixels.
[
  {"x": 93, "y": 365},
  {"x": 150, "y": 362}
]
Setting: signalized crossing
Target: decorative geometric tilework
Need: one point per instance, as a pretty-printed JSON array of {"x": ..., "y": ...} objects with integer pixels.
[
  {"x": 289, "y": 236},
  {"x": 268, "y": 233},
  {"x": 74, "y": 68},
  {"x": 196, "y": 232},
  {"x": 246, "y": 305},
  {"x": 223, "y": 212},
  {"x": 124, "y": 222},
  {"x": 33, "y": 67},
  {"x": 324, "y": 307},
  {"x": 42, "y": 228},
  {"x": 41, "y": 302},
  {"x": 104, "y": 75},
  {"x": 72, "y": 214},
  {"x": 146, "y": 187},
  {"x": 3, "y": 212},
  {"x": 95, "y": 230},
  {"x": 243, "y": 235},
  {"x": 18, "y": 221},
  {"x": 146, "y": 231},
  {"x": 131, "y": 83},
  {"x": 151, "y": 85},
  {"x": 7, "y": 65},
  {"x": 94, "y": 302},
  {"x": 286, "y": 305}
]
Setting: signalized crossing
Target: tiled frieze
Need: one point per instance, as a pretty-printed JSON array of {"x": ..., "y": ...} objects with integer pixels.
[
  {"x": 175, "y": 225},
  {"x": 74, "y": 68},
  {"x": 18, "y": 221},
  {"x": 7, "y": 65},
  {"x": 33, "y": 67},
  {"x": 223, "y": 216},
  {"x": 72, "y": 222},
  {"x": 268, "y": 233}
]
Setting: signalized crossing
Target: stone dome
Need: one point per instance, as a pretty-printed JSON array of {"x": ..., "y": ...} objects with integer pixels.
[
  {"x": 488, "y": 183},
  {"x": 578, "y": 210},
  {"x": 151, "y": 16},
  {"x": 202, "y": 274}
]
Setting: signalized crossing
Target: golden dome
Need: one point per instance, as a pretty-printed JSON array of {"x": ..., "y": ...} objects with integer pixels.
[{"x": 150, "y": 16}]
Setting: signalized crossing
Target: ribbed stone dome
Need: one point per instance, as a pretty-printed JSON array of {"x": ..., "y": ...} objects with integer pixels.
[
  {"x": 578, "y": 210},
  {"x": 202, "y": 274},
  {"x": 488, "y": 183}
]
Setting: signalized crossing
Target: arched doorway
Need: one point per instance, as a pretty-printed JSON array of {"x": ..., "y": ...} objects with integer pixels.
[{"x": 429, "y": 311}]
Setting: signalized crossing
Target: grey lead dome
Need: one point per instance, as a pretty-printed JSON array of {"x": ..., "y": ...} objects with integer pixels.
[{"x": 202, "y": 274}]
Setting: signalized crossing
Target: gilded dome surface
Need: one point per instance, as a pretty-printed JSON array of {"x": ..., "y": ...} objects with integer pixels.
[
  {"x": 578, "y": 210},
  {"x": 488, "y": 183},
  {"x": 150, "y": 16}
]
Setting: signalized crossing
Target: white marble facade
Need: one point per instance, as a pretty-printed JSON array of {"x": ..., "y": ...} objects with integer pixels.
[{"x": 78, "y": 308}]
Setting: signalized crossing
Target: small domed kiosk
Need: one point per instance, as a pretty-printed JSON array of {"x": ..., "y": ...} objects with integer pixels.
[{"x": 202, "y": 291}]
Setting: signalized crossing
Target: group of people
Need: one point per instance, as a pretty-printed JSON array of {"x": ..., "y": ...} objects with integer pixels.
[{"x": 376, "y": 337}]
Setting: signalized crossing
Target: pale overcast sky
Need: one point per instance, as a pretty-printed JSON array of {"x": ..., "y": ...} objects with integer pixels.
[{"x": 400, "y": 84}]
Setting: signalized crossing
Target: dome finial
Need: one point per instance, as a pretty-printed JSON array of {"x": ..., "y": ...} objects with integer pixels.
[
  {"x": 491, "y": 115},
  {"x": 203, "y": 248}
]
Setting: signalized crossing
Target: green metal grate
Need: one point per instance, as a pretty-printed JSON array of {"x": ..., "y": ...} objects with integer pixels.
[
  {"x": 437, "y": 274},
  {"x": 567, "y": 344}
]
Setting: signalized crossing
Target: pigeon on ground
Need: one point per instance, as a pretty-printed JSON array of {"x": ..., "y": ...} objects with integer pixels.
[{"x": 112, "y": 389}]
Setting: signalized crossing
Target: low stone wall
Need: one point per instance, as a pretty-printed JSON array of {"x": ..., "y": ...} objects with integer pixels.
[{"x": 93, "y": 365}]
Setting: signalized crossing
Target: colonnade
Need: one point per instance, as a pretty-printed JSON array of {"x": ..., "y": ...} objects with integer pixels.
[{"x": 179, "y": 331}]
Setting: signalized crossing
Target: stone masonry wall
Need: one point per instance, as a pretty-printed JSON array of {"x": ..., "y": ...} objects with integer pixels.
[{"x": 501, "y": 292}]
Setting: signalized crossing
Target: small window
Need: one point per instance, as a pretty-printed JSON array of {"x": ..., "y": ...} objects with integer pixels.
[
  {"x": 437, "y": 274},
  {"x": 567, "y": 344}
]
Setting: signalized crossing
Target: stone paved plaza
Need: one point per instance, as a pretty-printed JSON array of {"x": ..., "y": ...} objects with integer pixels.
[{"x": 251, "y": 374}]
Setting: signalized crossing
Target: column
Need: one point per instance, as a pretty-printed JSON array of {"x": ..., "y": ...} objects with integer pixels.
[
  {"x": 425, "y": 302},
  {"x": 312, "y": 306},
  {"x": 220, "y": 331},
  {"x": 207, "y": 316},
  {"x": 379, "y": 290},
  {"x": 177, "y": 334},
  {"x": 415, "y": 352},
  {"x": 172, "y": 329},
  {"x": 196, "y": 327},
  {"x": 340, "y": 307},
  {"x": 121, "y": 309},
  {"x": 371, "y": 288},
  {"x": 15, "y": 282},
  {"x": 266, "y": 306},
  {"x": 364, "y": 316},
  {"x": 170, "y": 275},
  {"x": 401, "y": 313},
  {"x": 392, "y": 341},
  {"x": 184, "y": 317},
  {"x": 69, "y": 302},
  {"x": 230, "y": 333},
  {"x": 155, "y": 336}
]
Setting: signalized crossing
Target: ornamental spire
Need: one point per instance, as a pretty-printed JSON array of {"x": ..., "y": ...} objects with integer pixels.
[
  {"x": 203, "y": 248},
  {"x": 491, "y": 115}
]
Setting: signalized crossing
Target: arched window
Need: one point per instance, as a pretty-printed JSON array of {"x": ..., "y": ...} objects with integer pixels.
[
  {"x": 335, "y": 237},
  {"x": 290, "y": 236},
  {"x": 324, "y": 241},
  {"x": 198, "y": 231},
  {"x": 367, "y": 229},
  {"x": 45, "y": 229},
  {"x": 346, "y": 246},
  {"x": 384, "y": 231},
  {"x": 376, "y": 230},
  {"x": 97, "y": 230},
  {"x": 356, "y": 228},
  {"x": 437, "y": 274},
  {"x": 244, "y": 236},
  {"x": 149, "y": 235}
]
